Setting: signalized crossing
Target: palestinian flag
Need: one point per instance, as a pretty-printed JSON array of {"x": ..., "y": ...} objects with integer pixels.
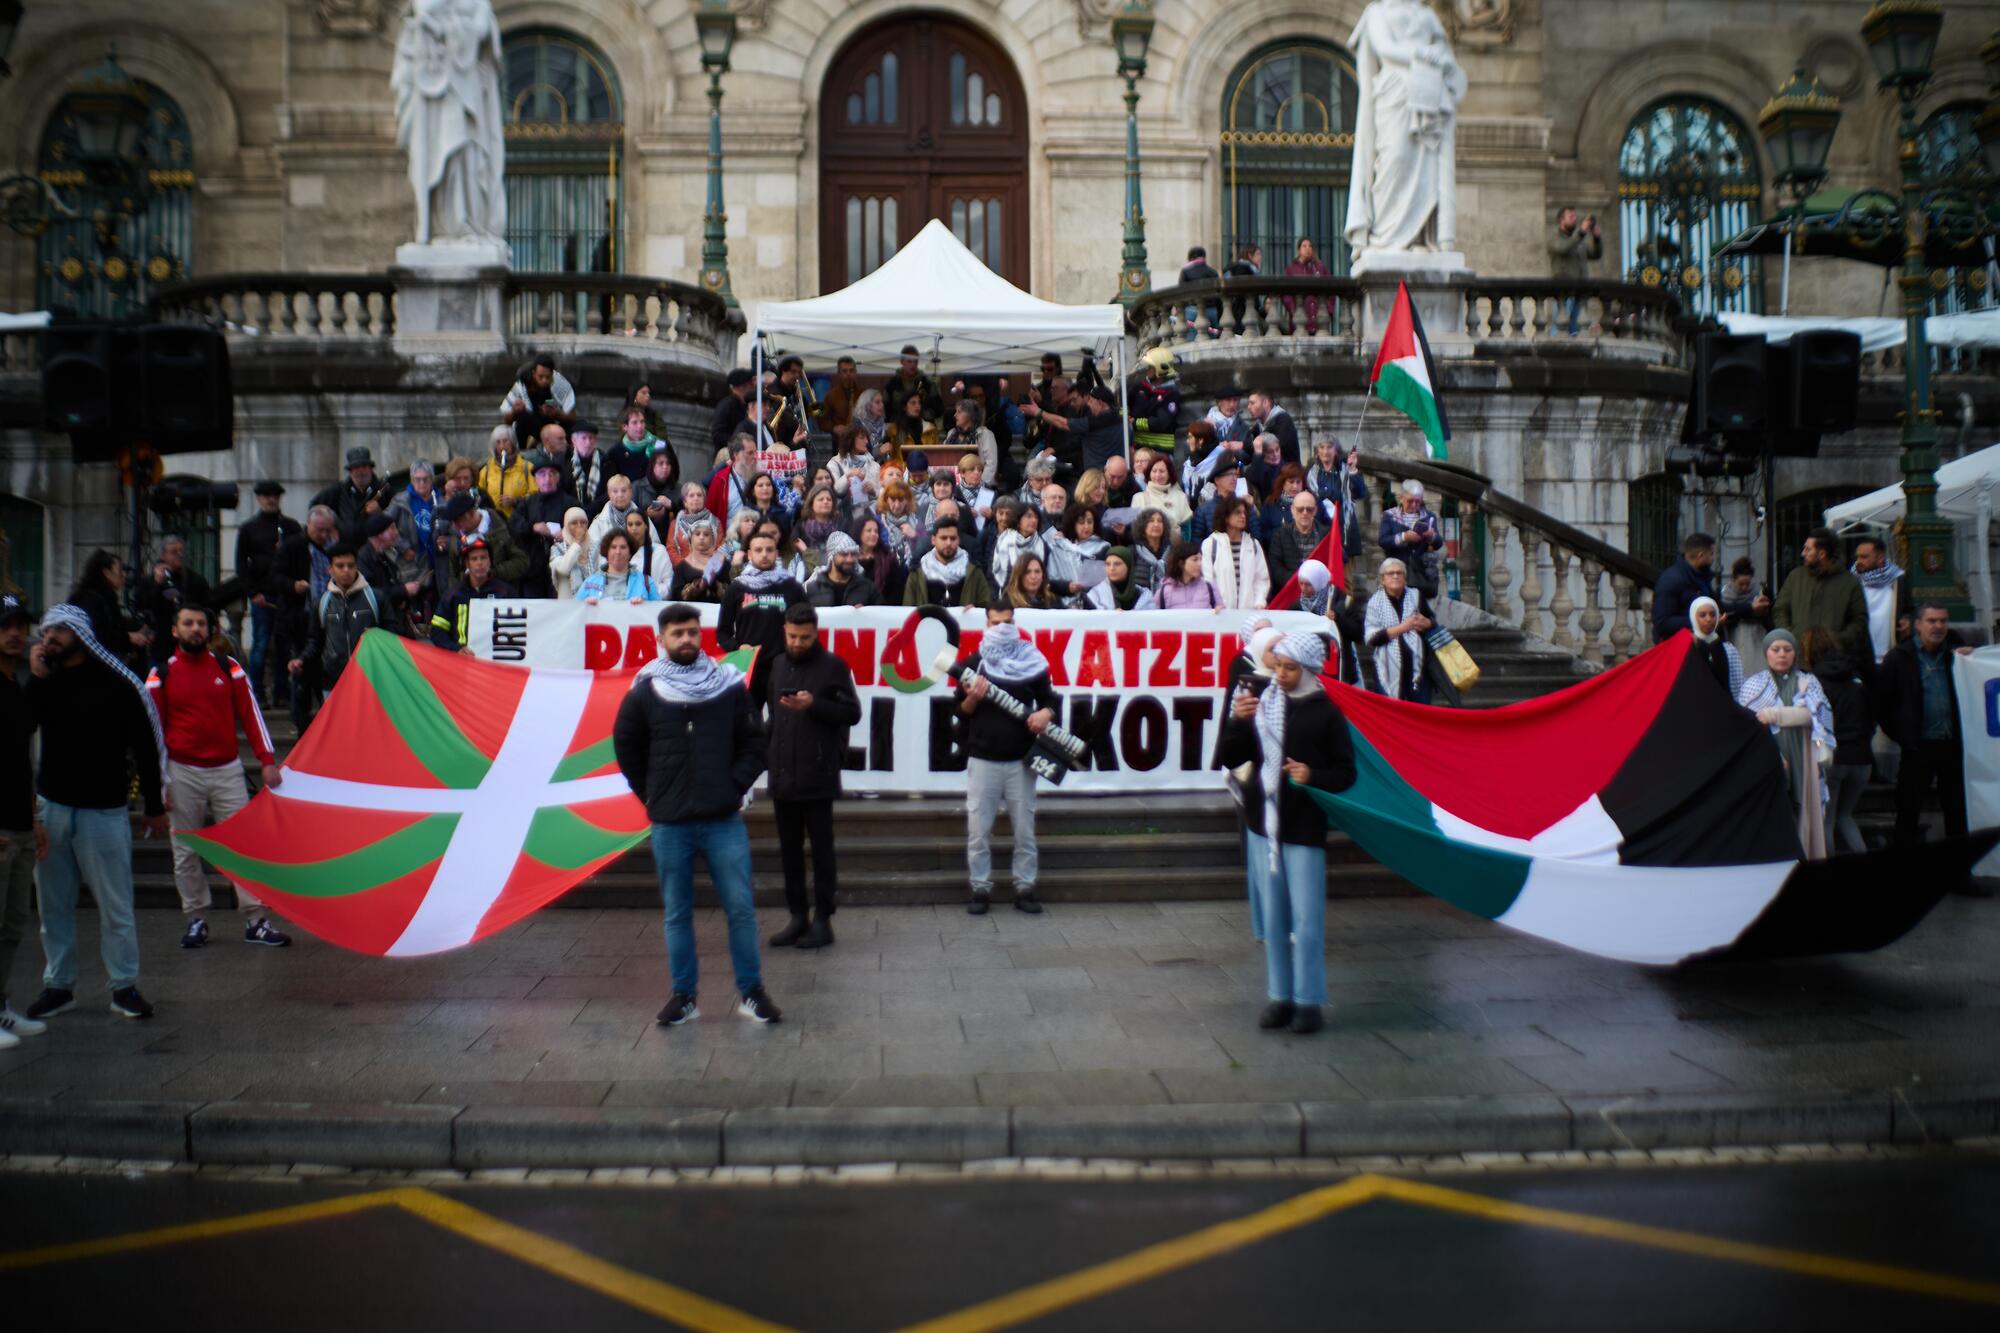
[
  {"x": 1406, "y": 378},
  {"x": 1640, "y": 815},
  {"x": 1328, "y": 553},
  {"x": 436, "y": 799}
]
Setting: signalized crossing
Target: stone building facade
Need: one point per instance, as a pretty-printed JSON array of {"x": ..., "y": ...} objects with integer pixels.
[{"x": 1003, "y": 116}]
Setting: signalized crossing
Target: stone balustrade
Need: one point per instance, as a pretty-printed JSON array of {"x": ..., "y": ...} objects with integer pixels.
[
  {"x": 1322, "y": 311},
  {"x": 284, "y": 305},
  {"x": 624, "y": 306},
  {"x": 1630, "y": 316},
  {"x": 1556, "y": 582}
]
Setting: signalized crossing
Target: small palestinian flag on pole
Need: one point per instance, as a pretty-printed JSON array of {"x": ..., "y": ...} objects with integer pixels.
[{"x": 1405, "y": 377}]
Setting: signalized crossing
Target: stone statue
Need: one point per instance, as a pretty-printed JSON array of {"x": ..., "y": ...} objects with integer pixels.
[
  {"x": 1404, "y": 194},
  {"x": 447, "y": 84}
]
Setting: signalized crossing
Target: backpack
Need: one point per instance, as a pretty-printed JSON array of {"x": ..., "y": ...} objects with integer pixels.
[{"x": 367, "y": 590}]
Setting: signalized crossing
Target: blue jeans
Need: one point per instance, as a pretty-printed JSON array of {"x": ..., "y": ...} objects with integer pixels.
[
  {"x": 94, "y": 847},
  {"x": 725, "y": 845},
  {"x": 1294, "y": 919},
  {"x": 1571, "y": 308},
  {"x": 260, "y": 646}
]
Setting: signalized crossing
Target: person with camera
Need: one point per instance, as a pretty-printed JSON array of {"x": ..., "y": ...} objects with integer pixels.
[
  {"x": 996, "y": 752},
  {"x": 1573, "y": 246}
]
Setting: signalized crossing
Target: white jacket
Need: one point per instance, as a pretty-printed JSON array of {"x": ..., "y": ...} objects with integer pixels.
[
  {"x": 569, "y": 565},
  {"x": 1246, "y": 589}
]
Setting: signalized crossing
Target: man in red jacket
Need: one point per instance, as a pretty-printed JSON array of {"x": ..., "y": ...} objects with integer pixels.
[{"x": 201, "y": 698}]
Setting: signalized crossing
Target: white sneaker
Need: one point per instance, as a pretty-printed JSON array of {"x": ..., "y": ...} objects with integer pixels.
[
  {"x": 8, "y": 1041},
  {"x": 19, "y": 1025}
]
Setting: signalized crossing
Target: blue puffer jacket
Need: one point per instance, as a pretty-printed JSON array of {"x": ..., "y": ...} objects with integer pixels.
[{"x": 1679, "y": 586}]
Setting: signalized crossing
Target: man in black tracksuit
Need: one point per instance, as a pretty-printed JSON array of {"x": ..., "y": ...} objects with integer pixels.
[
  {"x": 813, "y": 703},
  {"x": 753, "y": 611},
  {"x": 688, "y": 743}
]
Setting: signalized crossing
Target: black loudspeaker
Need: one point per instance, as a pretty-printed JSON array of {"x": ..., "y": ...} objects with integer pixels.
[
  {"x": 77, "y": 378},
  {"x": 1825, "y": 382},
  {"x": 186, "y": 400},
  {"x": 1730, "y": 388}
]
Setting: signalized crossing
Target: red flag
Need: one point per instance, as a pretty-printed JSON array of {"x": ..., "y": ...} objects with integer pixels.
[{"x": 1328, "y": 554}]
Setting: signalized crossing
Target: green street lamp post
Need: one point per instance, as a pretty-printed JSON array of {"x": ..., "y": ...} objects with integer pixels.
[
  {"x": 1131, "y": 34},
  {"x": 715, "y": 24},
  {"x": 1902, "y": 38}
]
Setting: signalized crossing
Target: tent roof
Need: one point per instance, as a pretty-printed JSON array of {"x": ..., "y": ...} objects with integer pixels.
[
  {"x": 1978, "y": 328},
  {"x": 935, "y": 294},
  {"x": 1960, "y": 484}
]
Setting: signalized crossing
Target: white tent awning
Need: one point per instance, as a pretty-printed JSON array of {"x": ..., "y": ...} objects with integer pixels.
[
  {"x": 1960, "y": 484},
  {"x": 1979, "y": 329},
  {"x": 934, "y": 294}
]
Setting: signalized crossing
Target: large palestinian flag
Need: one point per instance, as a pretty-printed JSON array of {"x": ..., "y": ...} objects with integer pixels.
[
  {"x": 436, "y": 799},
  {"x": 1640, "y": 815}
]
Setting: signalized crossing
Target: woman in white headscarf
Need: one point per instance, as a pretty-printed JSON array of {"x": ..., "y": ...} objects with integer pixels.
[
  {"x": 1290, "y": 738},
  {"x": 1791, "y": 703},
  {"x": 1396, "y": 620},
  {"x": 1716, "y": 652}
]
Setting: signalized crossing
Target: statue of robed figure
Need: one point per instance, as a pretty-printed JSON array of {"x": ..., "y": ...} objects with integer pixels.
[
  {"x": 1404, "y": 193},
  {"x": 448, "y": 119}
]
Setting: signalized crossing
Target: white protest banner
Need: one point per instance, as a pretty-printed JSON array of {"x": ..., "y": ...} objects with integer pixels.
[
  {"x": 1145, "y": 687},
  {"x": 1976, "y": 677},
  {"x": 781, "y": 462}
]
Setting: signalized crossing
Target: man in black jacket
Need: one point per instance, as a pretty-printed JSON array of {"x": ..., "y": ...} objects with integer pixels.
[
  {"x": 1917, "y": 706},
  {"x": 451, "y": 627},
  {"x": 996, "y": 749},
  {"x": 257, "y": 541},
  {"x": 170, "y": 586},
  {"x": 1681, "y": 584},
  {"x": 300, "y": 571},
  {"x": 1291, "y": 738},
  {"x": 17, "y": 809},
  {"x": 732, "y": 410},
  {"x": 840, "y": 582},
  {"x": 353, "y": 500},
  {"x": 93, "y": 714},
  {"x": 687, "y": 741},
  {"x": 813, "y": 703},
  {"x": 1092, "y": 432},
  {"x": 753, "y": 610}
]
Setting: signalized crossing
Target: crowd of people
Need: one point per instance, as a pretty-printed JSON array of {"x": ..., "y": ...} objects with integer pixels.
[{"x": 970, "y": 496}]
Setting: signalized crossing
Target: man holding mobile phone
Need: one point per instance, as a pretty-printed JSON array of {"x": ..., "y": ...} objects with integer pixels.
[{"x": 813, "y": 705}]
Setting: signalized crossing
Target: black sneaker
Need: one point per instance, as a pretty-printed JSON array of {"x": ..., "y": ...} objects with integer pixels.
[
  {"x": 51, "y": 1002},
  {"x": 127, "y": 1001},
  {"x": 1024, "y": 901},
  {"x": 196, "y": 934},
  {"x": 680, "y": 1009},
  {"x": 1307, "y": 1020},
  {"x": 261, "y": 931},
  {"x": 819, "y": 936},
  {"x": 757, "y": 1005},
  {"x": 979, "y": 904},
  {"x": 1277, "y": 1014},
  {"x": 789, "y": 936}
]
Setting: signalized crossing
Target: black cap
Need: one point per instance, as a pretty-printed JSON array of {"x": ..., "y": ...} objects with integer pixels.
[
  {"x": 268, "y": 488},
  {"x": 537, "y": 459},
  {"x": 582, "y": 428},
  {"x": 458, "y": 506},
  {"x": 378, "y": 524},
  {"x": 359, "y": 457},
  {"x": 1227, "y": 391},
  {"x": 739, "y": 377},
  {"x": 12, "y": 609},
  {"x": 908, "y": 350}
]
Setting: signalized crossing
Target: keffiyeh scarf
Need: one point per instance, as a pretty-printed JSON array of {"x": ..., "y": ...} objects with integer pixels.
[
  {"x": 696, "y": 683},
  {"x": 1008, "y": 656},
  {"x": 1309, "y": 651}
]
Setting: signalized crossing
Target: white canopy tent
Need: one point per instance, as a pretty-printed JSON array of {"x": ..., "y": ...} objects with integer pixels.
[
  {"x": 1980, "y": 328},
  {"x": 1968, "y": 492},
  {"x": 933, "y": 294}
]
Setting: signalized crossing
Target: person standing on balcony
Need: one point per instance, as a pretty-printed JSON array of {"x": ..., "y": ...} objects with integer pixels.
[
  {"x": 1249, "y": 264},
  {"x": 1306, "y": 263},
  {"x": 1573, "y": 247},
  {"x": 1681, "y": 584},
  {"x": 1198, "y": 269}
]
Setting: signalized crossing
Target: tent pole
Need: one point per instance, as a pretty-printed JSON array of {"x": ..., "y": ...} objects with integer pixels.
[
  {"x": 1785, "y": 278},
  {"x": 1124, "y": 411}
]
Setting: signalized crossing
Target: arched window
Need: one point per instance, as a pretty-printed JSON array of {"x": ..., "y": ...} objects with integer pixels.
[
  {"x": 1653, "y": 519},
  {"x": 1688, "y": 180},
  {"x": 565, "y": 155},
  {"x": 1287, "y": 152},
  {"x": 105, "y": 259},
  {"x": 1948, "y": 149}
]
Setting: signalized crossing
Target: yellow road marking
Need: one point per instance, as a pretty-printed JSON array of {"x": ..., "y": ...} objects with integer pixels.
[
  {"x": 191, "y": 1231},
  {"x": 1155, "y": 1260},
  {"x": 657, "y": 1298},
  {"x": 1830, "y": 1267}
]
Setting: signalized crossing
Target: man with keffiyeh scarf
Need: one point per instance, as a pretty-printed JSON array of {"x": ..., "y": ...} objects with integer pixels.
[
  {"x": 753, "y": 610},
  {"x": 688, "y": 743},
  {"x": 92, "y": 713},
  {"x": 1291, "y": 737},
  {"x": 996, "y": 748}
]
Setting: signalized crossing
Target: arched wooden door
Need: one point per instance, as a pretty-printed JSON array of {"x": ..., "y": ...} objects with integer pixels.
[{"x": 921, "y": 117}]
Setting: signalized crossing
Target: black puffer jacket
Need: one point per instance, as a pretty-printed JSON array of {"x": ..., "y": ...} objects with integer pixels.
[
  {"x": 1853, "y": 719},
  {"x": 989, "y": 733},
  {"x": 687, "y": 761},
  {"x": 807, "y": 745}
]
